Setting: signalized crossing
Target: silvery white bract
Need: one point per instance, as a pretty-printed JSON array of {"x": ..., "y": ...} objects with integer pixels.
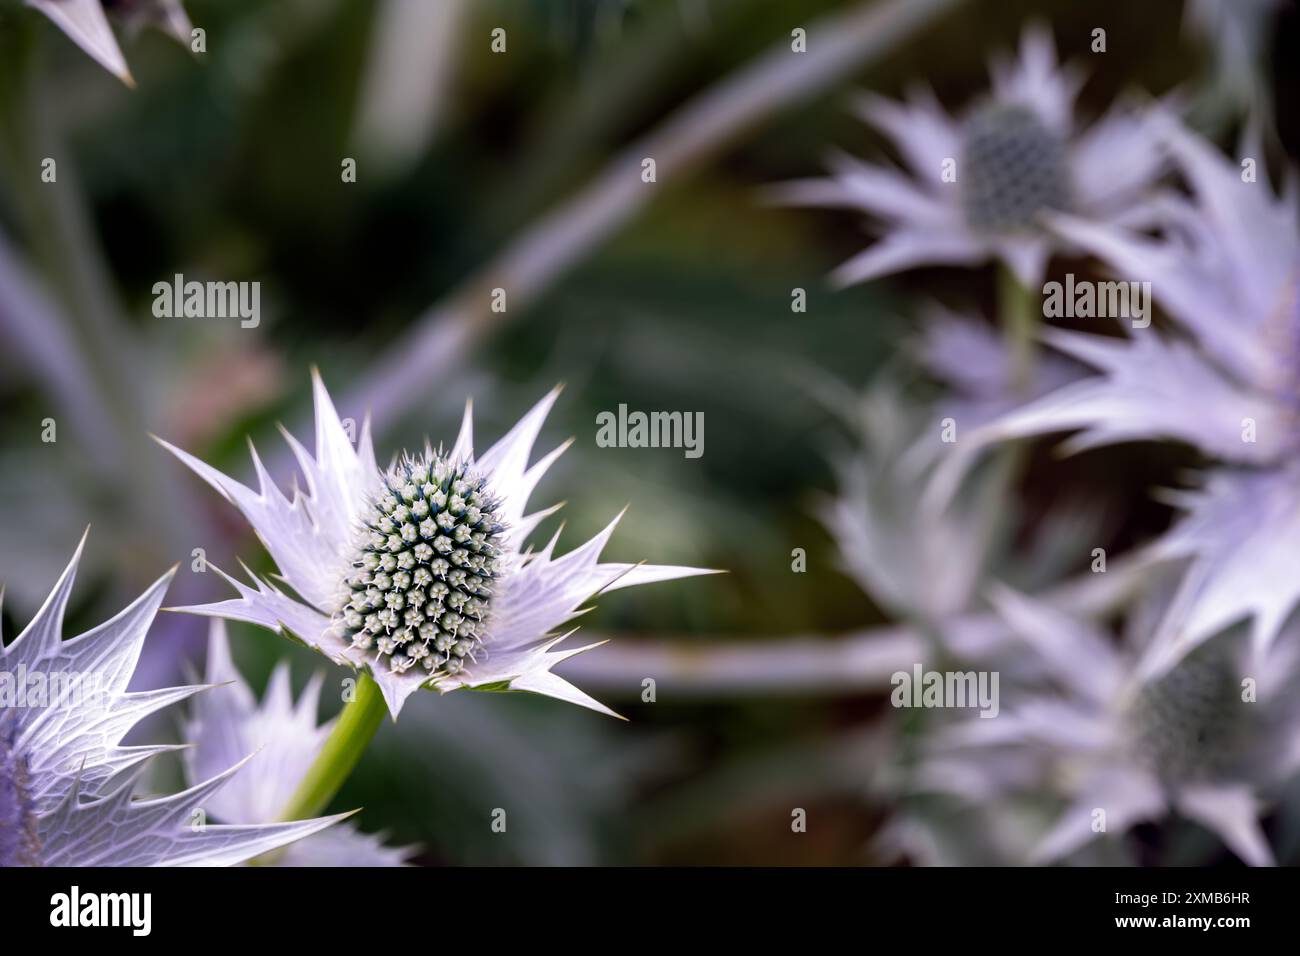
[
  {"x": 919, "y": 566},
  {"x": 85, "y": 22},
  {"x": 418, "y": 573},
  {"x": 984, "y": 381},
  {"x": 284, "y": 738},
  {"x": 1206, "y": 738},
  {"x": 67, "y": 783},
  {"x": 924, "y": 564},
  {"x": 973, "y": 361},
  {"x": 1225, "y": 270},
  {"x": 1018, "y": 154}
]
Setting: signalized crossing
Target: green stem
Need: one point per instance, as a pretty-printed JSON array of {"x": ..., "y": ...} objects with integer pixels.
[
  {"x": 346, "y": 743},
  {"x": 1019, "y": 325}
]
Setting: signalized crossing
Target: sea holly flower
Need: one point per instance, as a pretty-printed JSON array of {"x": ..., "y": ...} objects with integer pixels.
[
  {"x": 67, "y": 784},
  {"x": 284, "y": 738},
  {"x": 979, "y": 184},
  {"x": 1226, "y": 268},
  {"x": 1209, "y": 738},
  {"x": 86, "y": 22},
  {"x": 417, "y": 574}
]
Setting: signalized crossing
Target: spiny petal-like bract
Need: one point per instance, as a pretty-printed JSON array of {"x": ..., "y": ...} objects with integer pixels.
[{"x": 67, "y": 784}]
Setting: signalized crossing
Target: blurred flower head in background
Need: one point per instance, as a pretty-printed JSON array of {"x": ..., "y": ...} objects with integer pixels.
[
  {"x": 1224, "y": 267},
  {"x": 979, "y": 185},
  {"x": 1207, "y": 739}
]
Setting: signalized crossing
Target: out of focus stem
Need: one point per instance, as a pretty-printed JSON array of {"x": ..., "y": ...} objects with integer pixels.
[
  {"x": 1019, "y": 319},
  {"x": 773, "y": 83}
]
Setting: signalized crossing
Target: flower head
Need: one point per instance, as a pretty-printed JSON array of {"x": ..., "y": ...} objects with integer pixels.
[
  {"x": 418, "y": 573},
  {"x": 425, "y": 566},
  {"x": 1226, "y": 267},
  {"x": 980, "y": 184},
  {"x": 67, "y": 784},
  {"x": 1208, "y": 737}
]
